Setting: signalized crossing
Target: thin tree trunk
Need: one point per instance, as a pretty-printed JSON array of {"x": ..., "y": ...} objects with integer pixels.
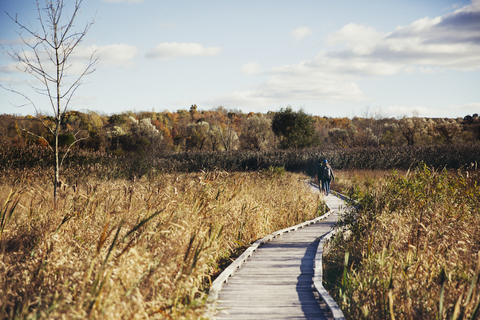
[
  {"x": 57, "y": 172},
  {"x": 58, "y": 119}
]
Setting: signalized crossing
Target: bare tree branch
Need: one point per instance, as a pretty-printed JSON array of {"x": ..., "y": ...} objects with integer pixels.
[
  {"x": 39, "y": 137},
  {"x": 72, "y": 144},
  {"x": 48, "y": 61}
]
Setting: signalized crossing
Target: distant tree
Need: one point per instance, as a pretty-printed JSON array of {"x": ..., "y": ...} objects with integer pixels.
[
  {"x": 413, "y": 129},
  {"x": 294, "y": 129},
  {"x": 10, "y": 132},
  {"x": 94, "y": 124},
  {"x": 472, "y": 124},
  {"x": 115, "y": 135},
  {"x": 321, "y": 125},
  {"x": 5, "y": 127},
  {"x": 48, "y": 59},
  {"x": 339, "y": 137},
  {"x": 215, "y": 137},
  {"x": 256, "y": 133},
  {"x": 117, "y": 119},
  {"x": 369, "y": 128},
  {"x": 160, "y": 124},
  {"x": 229, "y": 137},
  {"x": 448, "y": 129},
  {"x": 366, "y": 138},
  {"x": 193, "y": 112},
  {"x": 197, "y": 135},
  {"x": 180, "y": 121},
  {"x": 145, "y": 134},
  {"x": 182, "y": 113},
  {"x": 227, "y": 123},
  {"x": 391, "y": 135}
]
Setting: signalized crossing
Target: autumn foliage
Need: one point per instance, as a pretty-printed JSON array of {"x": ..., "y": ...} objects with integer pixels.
[{"x": 228, "y": 130}]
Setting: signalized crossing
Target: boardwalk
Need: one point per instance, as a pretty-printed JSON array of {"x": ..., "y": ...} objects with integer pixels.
[{"x": 276, "y": 281}]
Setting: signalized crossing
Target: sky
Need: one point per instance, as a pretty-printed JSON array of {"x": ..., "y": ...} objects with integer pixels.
[{"x": 380, "y": 58}]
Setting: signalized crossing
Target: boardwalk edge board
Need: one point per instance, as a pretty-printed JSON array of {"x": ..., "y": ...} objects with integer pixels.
[
  {"x": 216, "y": 286},
  {"x": 317, "y": 279},
  {"x": 318, "y": 275}
]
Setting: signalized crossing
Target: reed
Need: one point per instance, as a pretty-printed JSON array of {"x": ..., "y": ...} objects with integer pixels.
[
  {"x": 115, "y": 248},
  {"x": 451, "y": 156},
  {"x": 414, "y": 249}
]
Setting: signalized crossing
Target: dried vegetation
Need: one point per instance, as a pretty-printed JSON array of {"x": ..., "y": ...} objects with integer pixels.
[
  {"x": 413, "y": 252},
  {"x": 118, "y": 249}
]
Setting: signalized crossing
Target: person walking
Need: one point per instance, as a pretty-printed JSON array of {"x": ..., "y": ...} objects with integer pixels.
[
  {"x": 319, "y": 169},
  {"x": 327, "y": 176}
]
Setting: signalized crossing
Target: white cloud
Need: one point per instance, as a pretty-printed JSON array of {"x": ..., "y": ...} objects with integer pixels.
[
  {"x": 447, "y": 111},
  {"x": 426, "y": 45},
  {"x": 115, "y": 55},
  {"x": 172, "y": 50},
  {"x": 251, "y": 68},
  {"x": 450, "y": 41},
  {"x": 17, "y": 41},
  {"x": 10, "y": 68},
  {"x": 471, "y": 108},
  {"x": 475, "y": 6},
  {"x": 300, "y": 33},
  {"x": 11, "y": 81},
  {"x": 359, "y": 39},
  {"x": 426, "y": 70},
  {"x": 295, "y": 84}
]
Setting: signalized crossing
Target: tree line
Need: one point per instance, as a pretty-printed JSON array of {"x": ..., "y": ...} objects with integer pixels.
[{"x": 221, "y": 129}]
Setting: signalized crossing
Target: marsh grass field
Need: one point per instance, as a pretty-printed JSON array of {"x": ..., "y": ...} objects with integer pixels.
[
  {"x": 413, "y": 251},
  {"x": 119, "y": 249},
  {"x": 118, "y": 246}
]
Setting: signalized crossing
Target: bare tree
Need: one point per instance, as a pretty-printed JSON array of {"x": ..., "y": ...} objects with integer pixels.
[
  {"x": 50, "y": 49},
  {"x": 229, "y": 137},
  {"x": 224, "y": 122}
]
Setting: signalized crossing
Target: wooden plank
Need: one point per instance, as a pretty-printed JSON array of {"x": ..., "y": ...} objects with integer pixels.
[{"x": 276, "y": 281}]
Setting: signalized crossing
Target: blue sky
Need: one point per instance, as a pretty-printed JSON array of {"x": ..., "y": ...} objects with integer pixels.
[{"x": 331, "y": 58}]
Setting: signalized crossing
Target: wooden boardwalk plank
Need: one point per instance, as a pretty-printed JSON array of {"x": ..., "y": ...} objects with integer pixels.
[{"x": 276, "y": 282}]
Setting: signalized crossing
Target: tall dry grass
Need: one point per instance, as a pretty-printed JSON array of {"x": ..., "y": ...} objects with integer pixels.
[
  {"x": 413, "y": 252},
  {"x": 117, "y": 249},
  {"x": 451, "y": 156},
  {"x": 354, "y": 181}
]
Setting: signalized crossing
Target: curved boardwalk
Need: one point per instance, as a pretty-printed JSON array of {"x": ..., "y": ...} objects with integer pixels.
[{"x": 276, "y": 282}]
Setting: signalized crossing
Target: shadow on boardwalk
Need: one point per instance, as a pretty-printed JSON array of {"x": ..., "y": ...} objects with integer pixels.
[{"x": 309, "y": 301}]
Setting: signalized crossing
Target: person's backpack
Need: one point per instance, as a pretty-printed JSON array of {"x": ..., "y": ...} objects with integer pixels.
[
  {"x": 320, "y": 172},
  {"x": 327, "y": 173}
]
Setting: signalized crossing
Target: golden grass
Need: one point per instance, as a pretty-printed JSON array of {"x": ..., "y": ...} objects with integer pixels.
[
  {"x": 117, "y": 249},
  {"x": 414, "y": 251},
  {"x": 348, "y": 181}
]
